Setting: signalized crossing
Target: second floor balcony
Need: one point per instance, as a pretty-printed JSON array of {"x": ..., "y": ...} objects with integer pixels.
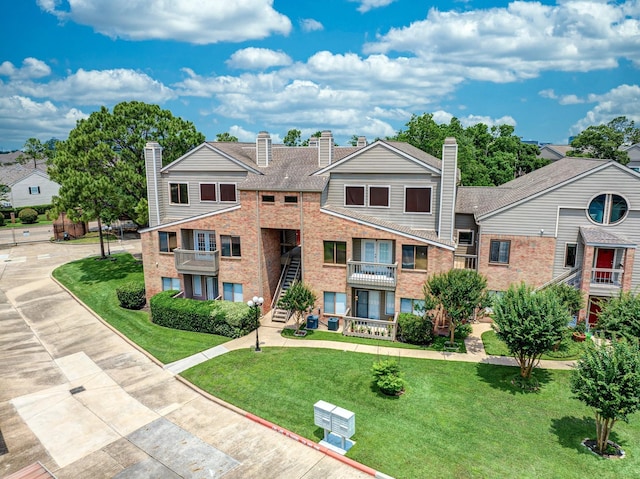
[
  {"x": 361, "y": 274},
  {"x": 197, "y": 262}
]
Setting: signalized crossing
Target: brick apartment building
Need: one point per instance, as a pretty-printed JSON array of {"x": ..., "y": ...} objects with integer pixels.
[{"x": 365, "y": 226}]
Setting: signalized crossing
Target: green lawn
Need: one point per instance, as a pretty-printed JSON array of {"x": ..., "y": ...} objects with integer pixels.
[
  {"x": 568, "y": 349},
  {"x": 456, "y": 419},
  {"x": 95, "y": 281},
  {"x": 314, "y": 334},
  {"x": 42, "y": 221}
]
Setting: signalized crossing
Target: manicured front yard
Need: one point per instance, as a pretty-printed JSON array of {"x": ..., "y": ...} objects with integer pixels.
[
  {"x": 568, "y": 349},
  {"x": 94, "y": 281},
  {"x": 456, "y": 420}
]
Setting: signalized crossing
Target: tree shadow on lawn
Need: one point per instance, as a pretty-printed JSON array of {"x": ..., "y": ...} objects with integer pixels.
[
  {"x": 501, "y": 377},
  {"x": 96, "y": 271},
  {"x": 571, "y": 431}
]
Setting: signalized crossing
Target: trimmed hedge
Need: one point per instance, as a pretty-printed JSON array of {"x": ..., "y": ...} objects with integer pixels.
[
  {"x": 415, "y": 329},
  {"x": 132, "y": 295},
  {"x": 225, "y": 318},
  {"x": 28, "y": 216}
]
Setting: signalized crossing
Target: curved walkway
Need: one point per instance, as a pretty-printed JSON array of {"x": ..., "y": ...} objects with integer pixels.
[
  {"x": 85, "y": 403},
  {"x": 270, "y": 336}
]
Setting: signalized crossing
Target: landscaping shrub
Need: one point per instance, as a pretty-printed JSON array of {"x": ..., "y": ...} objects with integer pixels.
[
  {"x": 131, "y": 295},
  {"x": 387, "y": 376},
  {"x": 28, "y": 216},
  {"x": 463, "y": 330},
  {"x": 1, "y": 220},
  {"x": 225, "y": 318},
  {"x": 415, "y": 329}
]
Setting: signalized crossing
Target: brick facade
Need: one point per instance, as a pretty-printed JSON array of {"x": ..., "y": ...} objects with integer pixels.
[{"x": 530, "y": 260}]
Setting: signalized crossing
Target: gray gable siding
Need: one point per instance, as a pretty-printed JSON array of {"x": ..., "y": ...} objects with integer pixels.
[
  {"x": 379, "y": 159},
  {"x": 196, "y": 207},
  {"x": 397, "y": 182},
  {"x": 205, "y": 159},
  {"x": 20, "y": 195}
]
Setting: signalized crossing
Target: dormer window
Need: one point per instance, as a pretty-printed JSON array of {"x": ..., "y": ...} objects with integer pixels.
[
  {"x": 608, "y": 209},
  {"x": 354, "y": 195}
]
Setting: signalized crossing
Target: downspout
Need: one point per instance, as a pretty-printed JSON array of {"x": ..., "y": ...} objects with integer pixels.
[
  {"x": 260, "y": 259},
  {"x": 301, "y": 236}
]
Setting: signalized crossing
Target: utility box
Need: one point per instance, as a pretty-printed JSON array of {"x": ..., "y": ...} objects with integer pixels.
[
  {"x": 312, "y": 322},
  {"x": 333, "y": 324},
  {"x": 322, "y": 415},
  {"x": 343, "y": 422}
]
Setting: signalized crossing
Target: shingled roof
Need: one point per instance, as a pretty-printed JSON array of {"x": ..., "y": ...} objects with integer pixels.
[
  {"x": 483, "y": 201},
  {"x": 10, "y": 174}
]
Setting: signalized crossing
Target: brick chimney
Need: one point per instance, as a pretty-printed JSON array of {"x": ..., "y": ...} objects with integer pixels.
[
  {"x": 325, "y": 149},
  {"x": 448, "y": 185},
  {"x": 263, "y": 149},
  {"x": 153, "y": 165}
]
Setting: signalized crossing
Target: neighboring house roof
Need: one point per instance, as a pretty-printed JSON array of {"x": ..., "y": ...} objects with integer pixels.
[
  {"x": 9, "y": 157},
  {"x": 597, "y": 236},
  {"x": 12, "y": 174},
  {"x": 554, "y": 151},
  {"x": 494, "y": 199},
  {"x": 424, "y": 235}
]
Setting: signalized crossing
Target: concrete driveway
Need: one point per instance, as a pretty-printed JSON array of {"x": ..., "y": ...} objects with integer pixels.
[{"x": 85, "y": 403}]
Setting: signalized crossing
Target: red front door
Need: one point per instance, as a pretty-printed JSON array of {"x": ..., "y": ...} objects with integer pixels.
[
  {"x": 594, "y": 309},
  {"x": 604, "y": 262}
]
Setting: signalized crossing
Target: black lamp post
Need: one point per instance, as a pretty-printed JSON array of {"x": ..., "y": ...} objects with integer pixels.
[{"x": 256, "y": 304}]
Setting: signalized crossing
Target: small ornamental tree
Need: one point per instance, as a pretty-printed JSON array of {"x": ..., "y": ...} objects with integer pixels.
[
  {"x": 529, "y": 323},
  {"x": 607, "y": 378},
  {"x": 459, "y": 292},
  {"x": 620, "y": 316},
  {"x": 298, "y": 299}
]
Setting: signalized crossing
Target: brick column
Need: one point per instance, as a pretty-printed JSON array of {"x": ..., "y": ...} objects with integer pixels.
[{"x": 629, "y": 256}]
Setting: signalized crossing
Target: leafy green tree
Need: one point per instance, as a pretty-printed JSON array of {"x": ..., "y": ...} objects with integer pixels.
[
  {"x": 459, "y": 293},
  {"x": 226, "y": 137},
  {"x": 571, "y": 297},
  {"x": 607, "y": 379},
  {"x": 35, "y": 150},
  {"x": 530, "y": 323},
  {"x": 620, "y": 315},
  {"x": 292, "y": 138},
  {"x": 605, "y": 140},
  {"x": 4, "y": 192},
  {"x": 317, "y": 134},
  {"x": 101, "y": 169},
  {"x": 298, "y": 299}
]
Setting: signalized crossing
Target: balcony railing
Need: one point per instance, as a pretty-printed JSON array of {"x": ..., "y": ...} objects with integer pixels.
[
  {"x": 376, "y": 275},
  {"x": 371, "y": 328},
  {"x": 188, "y": 261},
  {"x": 464, "y": 261},
  {"x": 606, "y": 276}
]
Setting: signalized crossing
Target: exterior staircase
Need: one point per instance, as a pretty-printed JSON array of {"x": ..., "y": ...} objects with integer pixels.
[
  {"x": 572, "y": 278},
  {"x": 290, "y": 274}
]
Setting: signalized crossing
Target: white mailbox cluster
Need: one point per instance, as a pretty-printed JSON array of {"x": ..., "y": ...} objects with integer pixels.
[{"x": 334, "y": 419}]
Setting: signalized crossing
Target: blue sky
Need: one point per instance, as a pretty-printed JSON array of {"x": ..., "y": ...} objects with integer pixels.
[{"x": 351, "y": 66}]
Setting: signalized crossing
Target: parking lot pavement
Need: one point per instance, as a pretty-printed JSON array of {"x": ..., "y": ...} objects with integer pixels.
[{"x": 85, "y": 403}]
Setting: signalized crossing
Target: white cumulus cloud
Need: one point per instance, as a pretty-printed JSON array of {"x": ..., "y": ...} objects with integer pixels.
[
  {"x": 310, "y": 25},
  {"x": 31, "y": 68},
  {"x": 366, "y": 5},
  {"x": 521, "y": 40},
  {"x": 258, "y": 59},
  {"x": 620, "y": 101},
  {"x": 202, "y": 22}
]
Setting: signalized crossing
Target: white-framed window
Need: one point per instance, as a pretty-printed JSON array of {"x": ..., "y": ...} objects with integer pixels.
[
  {"x": 179, "y": 193},
  {"x": 208, "y": 192},
  {"x": 354, "y": 195},
  {"x": 379, "y": 196},
  {"x": 390, "y": 303},
  {"x": 227, "y": 192},
  {"x": 499, "y": 251},
  {"x": 170, "y": 284},
  {"x": 335, "y": 303},
  {"x": 232, "y": 292},
  {"x": 570, "y": 251},
  {"x": 417, "y": 199},
  {"x": 34, "y": 190},
  {"x": 168, "y": 241},
  {"x": 607, "y": 209},
  {"x": 465, "y": 237},
  {"x": 410, "y": 305}
]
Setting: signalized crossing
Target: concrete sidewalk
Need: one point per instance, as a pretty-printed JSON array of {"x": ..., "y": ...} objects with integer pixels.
[
  {"x": 87, "y": 404},
  {"x": 270, "y": 336}
]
